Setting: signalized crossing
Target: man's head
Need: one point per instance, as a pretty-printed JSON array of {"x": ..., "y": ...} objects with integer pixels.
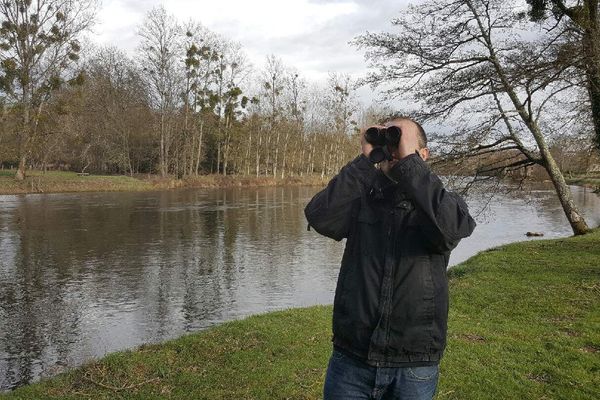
[{"x": 413, "y": 138}]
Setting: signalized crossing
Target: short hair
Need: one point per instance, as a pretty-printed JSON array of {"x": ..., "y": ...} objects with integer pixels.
[{"x": 420, "y": 130}]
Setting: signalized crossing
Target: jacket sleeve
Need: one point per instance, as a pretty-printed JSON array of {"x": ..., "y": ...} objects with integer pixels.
[
  {"x": 330, "y": 211},
  {"x": 445, "y": 216}
]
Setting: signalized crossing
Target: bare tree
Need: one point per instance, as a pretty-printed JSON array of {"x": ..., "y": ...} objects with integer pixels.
[
  {"x": 341, "y": 105},
  {"x": 466, "y": 61},
  {"x": 273, "y": 84},
  {"x": 159, "y": 56}
]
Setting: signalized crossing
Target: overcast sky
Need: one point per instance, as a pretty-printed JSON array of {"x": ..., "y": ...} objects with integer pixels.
[{"x": 310, "y": 35}]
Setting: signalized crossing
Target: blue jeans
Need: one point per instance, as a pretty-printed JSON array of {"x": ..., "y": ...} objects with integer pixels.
[{"x": 349, "y": 378}]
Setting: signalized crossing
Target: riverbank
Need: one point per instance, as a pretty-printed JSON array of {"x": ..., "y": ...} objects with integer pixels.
[
  {"x": 62, "y": 182},
  {"x": 524, "y": 324},
  {"x": 588, "y": 181},
  {"x": 65, "y": 181}
]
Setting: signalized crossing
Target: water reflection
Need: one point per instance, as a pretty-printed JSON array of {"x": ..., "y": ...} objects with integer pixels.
[{"x": 86, "y": 274}]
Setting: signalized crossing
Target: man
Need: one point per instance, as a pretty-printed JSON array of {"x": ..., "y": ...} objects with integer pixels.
[{"x": 391, "y": 302}]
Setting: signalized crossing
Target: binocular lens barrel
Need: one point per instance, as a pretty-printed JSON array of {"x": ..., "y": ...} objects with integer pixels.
[
  {"x": 381, "y": 138},
  {"x": 374, "y": 136},
  {"x": 392, "y": 136}
]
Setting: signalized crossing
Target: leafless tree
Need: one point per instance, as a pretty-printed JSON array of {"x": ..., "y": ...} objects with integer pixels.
[
  {"x": 471, "y": 64},
  {"x": 160, "y": 57}
]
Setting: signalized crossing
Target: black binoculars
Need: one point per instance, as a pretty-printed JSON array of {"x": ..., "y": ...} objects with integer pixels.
[{"x": 382, "y": 139}]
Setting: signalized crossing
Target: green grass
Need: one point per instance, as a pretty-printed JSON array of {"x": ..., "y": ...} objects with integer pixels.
[
  {"x": 524, "y": 324},
  {"x": 60, "y": 181}
]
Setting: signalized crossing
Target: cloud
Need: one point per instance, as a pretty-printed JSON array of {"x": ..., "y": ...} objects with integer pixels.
[{"x": 310, "y": 35}]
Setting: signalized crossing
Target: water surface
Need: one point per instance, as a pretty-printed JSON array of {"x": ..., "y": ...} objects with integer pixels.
[{"x": 82, "y": 275}]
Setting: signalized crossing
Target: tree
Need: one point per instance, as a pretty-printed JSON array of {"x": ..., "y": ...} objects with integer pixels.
[
  {"x": 341, "y": 104},
  {"x": 199, "y": 99},
  {"x": 159, "y": 56},
  {"x": 229, "y": 100},
  {"x": 465, "y": 61},
  {"x": 114, "y": 110},
  {"x": 273, "y": 82},
  {"x": 38, "y": 43},
  {"x": 579, "y": 24}
]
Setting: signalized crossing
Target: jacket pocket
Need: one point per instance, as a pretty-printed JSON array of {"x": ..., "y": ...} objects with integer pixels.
[{"x": 368, "y": 232}]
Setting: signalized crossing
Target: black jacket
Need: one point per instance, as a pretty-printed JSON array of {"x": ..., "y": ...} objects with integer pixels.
[{"x": 391, "y": 301}]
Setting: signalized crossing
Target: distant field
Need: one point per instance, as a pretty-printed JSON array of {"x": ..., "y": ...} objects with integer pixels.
[{"x": 60, "y": 181}]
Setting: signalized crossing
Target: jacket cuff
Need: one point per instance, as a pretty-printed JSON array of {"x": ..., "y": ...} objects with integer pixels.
[
  {"x": 410, "y": 166},
  {"x": 364, "y": 169}
]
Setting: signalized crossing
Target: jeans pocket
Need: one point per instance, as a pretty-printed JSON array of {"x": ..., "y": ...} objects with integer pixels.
[{"x": 424, "y": 373}]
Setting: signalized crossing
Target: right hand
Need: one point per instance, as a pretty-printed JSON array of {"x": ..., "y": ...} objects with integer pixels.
[{"x": 366, "y": 147}]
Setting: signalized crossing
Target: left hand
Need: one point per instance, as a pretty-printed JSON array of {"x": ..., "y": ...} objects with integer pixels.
[{"x": 409, "y": 144}]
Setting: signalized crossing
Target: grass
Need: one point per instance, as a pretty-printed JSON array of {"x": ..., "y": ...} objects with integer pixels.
[
  {"x": 61, "y": 181},
  {"x": 524, "y": 324}
]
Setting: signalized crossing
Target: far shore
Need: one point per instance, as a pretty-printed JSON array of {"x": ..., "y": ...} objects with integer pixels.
[{"x": 67, "y": 181}]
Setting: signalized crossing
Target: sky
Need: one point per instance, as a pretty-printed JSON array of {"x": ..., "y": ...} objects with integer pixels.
[{"x": 310, "y": 35}]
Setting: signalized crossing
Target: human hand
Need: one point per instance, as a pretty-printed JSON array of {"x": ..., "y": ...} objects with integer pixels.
[
  {"x": 365, "y": 146},
  {"x": 410, "y": 141},
  {"x": 409, "y": 144}
]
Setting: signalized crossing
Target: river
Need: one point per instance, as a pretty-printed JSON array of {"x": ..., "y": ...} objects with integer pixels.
[{"x": 82, "y": 275}]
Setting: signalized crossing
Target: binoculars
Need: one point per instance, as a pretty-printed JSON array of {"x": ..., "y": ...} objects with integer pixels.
[{"x": 382, "y": 139}]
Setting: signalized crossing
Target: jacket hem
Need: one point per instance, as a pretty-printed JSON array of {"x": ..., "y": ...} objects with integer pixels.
[{"x": 400, "y": 361}]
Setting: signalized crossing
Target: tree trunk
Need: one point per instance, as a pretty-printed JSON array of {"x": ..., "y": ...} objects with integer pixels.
[
  {"x": 20, "y": 175},
  {"x": 247, "y": 157},
  {"x": 285, "y": 146},
  {"x": 573, "y": 215},
  {"x": 276, "y": 153},
  {"x": 199, "y": 153},
  {"x": 218, "y": 158},
  {"x": 258, "y": 153},
  {"x": 23, "y": 137},
  {"x": 563, "y": 192}
]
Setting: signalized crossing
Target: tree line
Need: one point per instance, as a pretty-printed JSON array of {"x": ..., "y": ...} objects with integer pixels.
[{"x": 188, "y": 102}]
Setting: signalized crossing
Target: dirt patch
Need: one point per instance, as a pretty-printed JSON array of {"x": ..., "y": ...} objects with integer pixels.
[
  {"x": 570, "y": 332},
  {"x": 469, "y": 337},
  {"x": 591, "y": 348},
  {"x": 539, "y": 377}
]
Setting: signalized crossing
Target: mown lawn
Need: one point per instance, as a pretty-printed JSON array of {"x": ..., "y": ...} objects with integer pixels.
[
  {"x": 524, "y": 324},
  {"x": 62, "y": 181}
]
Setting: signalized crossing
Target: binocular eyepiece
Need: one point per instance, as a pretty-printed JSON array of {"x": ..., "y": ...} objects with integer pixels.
[{"x": 381, "y": 139}]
